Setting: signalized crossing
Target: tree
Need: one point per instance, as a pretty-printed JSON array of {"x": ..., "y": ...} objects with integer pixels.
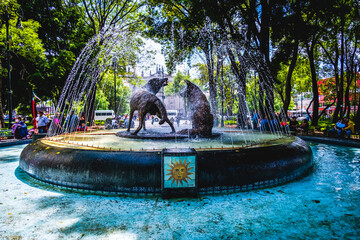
[
  {"x": 178, "y": 83},
  {"x": 103, "y": 17},
  {"x": 104, "y": 98},
  {"x": 339, "y": 43},
  {"x": 186, "y": 31},
  {"x": 27, "y": 58},
  {"x": 109, "y": 13}
]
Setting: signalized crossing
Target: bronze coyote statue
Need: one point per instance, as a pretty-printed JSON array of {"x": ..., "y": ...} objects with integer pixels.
[
  {"x": 201, "y": 117},
  {"x": 145, "y": 101}
]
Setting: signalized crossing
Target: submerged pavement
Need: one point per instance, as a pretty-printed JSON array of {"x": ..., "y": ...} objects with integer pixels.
[{"x": 323, "y": 205}]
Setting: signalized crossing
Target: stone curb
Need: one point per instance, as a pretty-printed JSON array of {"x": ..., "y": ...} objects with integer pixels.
[
  {"x": 13, "y": 143},
  {"x": 335, "y": 141}
]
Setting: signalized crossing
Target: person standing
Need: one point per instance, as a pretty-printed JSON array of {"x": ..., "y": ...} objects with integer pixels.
[
  {"x": 56, "y": 125},
  {"x": 178, "y": 120},
  {"x": 42, "y": 122},
  {"x": 255, "y": 120},
  {"x": 71, "y": 122},
  {"x": 264, "y": 124},
  {"x": 349, "y": 127},
  {"x": 152, "y": 119}
]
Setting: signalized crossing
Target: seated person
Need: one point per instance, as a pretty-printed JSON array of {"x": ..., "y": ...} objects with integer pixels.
[
  {"x": 304, "y": 127},
  {"x": 31, "y": 133},
  {"x": 14, "y": 126},
  {"x": 284, "y": 126},
  {"x": 339, "y": 128},
  {"x": 19, "y": 129},
  {"x": 349, "y": 127},
  {"x": 293, "y": 124},
  {"x": 82, "y": 127}
]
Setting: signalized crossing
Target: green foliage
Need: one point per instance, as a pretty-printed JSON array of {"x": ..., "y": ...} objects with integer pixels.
[
  {"x": 300, "y": 81},
  {"x": 302, "y": 75},
  {"x": 174, "y": 87},
  {"x": 64, "y": 33},
  {"x": 25, "y": 42},
  {"x": 120, "y": 13},
  {"x": 101, "y": 101},
  {"x": 230, "y": 122},
  {"x": 9, "y": 6},
  {"x": 105, "y": 94},
  {"x": 55, "y": 32},
  {"x": 27, "y": 58},
  {"x": 327, "y": 87}
]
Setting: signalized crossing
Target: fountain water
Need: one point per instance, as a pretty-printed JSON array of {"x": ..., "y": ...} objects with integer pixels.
[{"x": 233, "y": 160}]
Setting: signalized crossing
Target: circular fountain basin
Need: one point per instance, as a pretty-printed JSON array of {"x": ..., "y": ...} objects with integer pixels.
[{"x": 223, "y": 167}]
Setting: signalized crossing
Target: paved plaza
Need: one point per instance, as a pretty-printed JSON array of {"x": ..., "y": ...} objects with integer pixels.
[{"x": 322, "y": 205}]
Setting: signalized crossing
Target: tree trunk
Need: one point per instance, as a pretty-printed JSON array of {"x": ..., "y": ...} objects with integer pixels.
[
  {"x": 347, "y": 94},
  {"x": 288, "y": 80},
  {"x": 265, "y": 51},
  {"x": 340, "y": 82},
  {"x": 265, "y": 30},
  {"x": 269, "y": 101},
  {"x": 357, "y": 118},
  {"x": 1, "y": 106},
  {"x": 240, "y": 74},
  {"x": 310, "y": 53},
  {"x": 212, "y": 91},
  {"x": 338, "y": 94},
  {"x": 242, "y": 118},
  {"x": 91, "y": 106},
  {"x": 212, "y": 85},
  {"x": 261, "y": 99},
  {"x": 351, "y": 75}
]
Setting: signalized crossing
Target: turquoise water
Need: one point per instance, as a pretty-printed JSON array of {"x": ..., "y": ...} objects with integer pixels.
[{"x": 322, "y": 205}]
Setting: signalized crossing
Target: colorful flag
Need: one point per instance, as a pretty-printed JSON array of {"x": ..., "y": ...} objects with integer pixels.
[
  {"x": 34, "y": 112},
  {"x": 36, "y": 97}
]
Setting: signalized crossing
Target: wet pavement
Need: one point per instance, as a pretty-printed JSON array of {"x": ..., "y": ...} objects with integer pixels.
[{"x": 323, "y": 205}]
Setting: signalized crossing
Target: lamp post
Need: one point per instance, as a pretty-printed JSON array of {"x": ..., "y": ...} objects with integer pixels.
[
  {"x": 115, "y": 68},
  {"x": 18, "y": 25},
  {"x": 301, "y": 98},
  {"x": 221, "y": 60},
  {"x": 7, "y": 18},
  {"x": 355, "y": 99}
]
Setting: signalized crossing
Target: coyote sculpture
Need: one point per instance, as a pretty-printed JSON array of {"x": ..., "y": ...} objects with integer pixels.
[{"x": 145, "y": 101}]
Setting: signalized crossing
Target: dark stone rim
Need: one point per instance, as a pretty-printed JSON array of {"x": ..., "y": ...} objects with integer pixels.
[
  {"x": 335, "y": 141},
  {"x": 227, "y": 170}
]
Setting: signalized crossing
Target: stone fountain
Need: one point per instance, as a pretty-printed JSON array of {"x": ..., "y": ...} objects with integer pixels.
[{"x": 195, "y": 160}]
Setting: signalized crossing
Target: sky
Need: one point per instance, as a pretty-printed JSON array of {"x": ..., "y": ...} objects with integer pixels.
[{"x": 148, "y": 65}]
